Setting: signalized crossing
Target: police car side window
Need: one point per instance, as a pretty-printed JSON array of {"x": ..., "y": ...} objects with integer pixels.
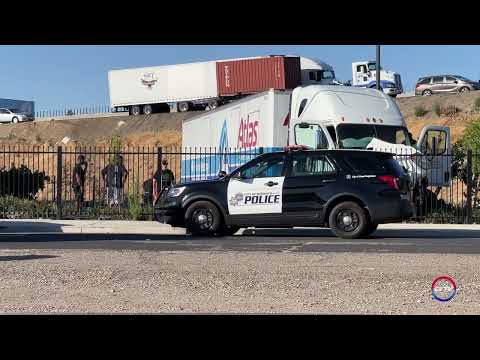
[
  {"x": 311, "y": 165},
  {"x": 270, "y": 167}
]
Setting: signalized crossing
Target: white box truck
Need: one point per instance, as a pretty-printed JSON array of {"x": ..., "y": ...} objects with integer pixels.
[
  {"x": 257, "y": 122},
  {"x": 317, "y": 116}
]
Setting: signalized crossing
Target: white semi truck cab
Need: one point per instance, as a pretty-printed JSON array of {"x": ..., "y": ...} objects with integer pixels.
[
  {"x": 316, "y": 72},
  {"x": 364, "y": 74},
  {"x": 343, "y": 117}
]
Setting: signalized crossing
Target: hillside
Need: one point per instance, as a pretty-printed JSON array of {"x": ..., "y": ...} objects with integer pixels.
[
  {"x": 152, "y": 130},
  {"x": 165, "y": 129},
  {"x": 464, "y": 102}
]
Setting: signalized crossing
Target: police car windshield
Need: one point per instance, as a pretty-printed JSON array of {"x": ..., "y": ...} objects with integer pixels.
[{"x": 358, "y": 136}]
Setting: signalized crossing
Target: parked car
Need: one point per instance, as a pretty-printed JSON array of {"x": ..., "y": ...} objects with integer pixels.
[
  {"x": 444, "y": 84},
  {"x": 13, "y": 116},
  {"x": 350, "y": 191}
]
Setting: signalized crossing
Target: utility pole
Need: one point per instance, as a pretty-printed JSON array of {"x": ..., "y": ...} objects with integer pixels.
[{"x": 377, "y": 66}]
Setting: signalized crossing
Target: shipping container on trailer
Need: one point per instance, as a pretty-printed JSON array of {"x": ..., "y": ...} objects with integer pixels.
[
  {"x": 255, "y": 124},
  {"x": 254, "y": 75}
]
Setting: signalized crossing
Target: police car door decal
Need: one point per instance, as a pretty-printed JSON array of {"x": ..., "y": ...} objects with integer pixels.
[{"x": 254, "y": 196}]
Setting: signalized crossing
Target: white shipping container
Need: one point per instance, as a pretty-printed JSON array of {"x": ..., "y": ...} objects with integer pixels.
[
  {"x": 258, "y": 123},
  {"x": 162, "y": 84}
]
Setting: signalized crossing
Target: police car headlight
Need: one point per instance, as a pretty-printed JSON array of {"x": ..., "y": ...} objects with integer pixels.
[{"x": 175, "y": 191}]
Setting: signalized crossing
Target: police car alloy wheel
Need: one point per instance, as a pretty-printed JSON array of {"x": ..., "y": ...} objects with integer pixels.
[
  {"x": 348, "y": 220},
  {"x": 203, "y": 218},
  {"x": 15, "y": 120}
]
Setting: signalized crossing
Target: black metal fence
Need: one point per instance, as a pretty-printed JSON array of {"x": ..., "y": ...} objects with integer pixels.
[{"x": 38, "y": 182}]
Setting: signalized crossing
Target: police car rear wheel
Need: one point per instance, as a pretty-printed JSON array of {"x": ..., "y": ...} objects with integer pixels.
[
  {"x": 348, "y": 220},
  {"x": 203, "y": 218}
]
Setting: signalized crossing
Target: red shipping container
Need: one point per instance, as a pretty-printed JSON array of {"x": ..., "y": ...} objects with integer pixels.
[{"x": 257, "y": 75}]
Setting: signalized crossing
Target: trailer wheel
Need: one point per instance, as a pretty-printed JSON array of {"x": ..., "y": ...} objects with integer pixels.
[
  {"x": 147, "y": 109},
  {"x": 135, "y": 110},
  {"x": 212, "y": 105},
  {"x": 183, "y": 106}
]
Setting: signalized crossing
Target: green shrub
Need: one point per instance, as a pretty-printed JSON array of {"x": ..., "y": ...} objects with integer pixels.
[
  {"x": 134, "y": 202},
  {"x": 420, "y": 111},
  {"x": 437, "y": 109},
  {"x": 14, "y": 207},
  {"x": 21, "y": 182}
]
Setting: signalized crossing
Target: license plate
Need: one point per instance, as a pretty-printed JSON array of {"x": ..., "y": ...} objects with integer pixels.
[{"x": 404, "y": 196}]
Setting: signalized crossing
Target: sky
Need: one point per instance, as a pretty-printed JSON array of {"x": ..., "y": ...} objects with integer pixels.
[{"x": 65, "y": 77}]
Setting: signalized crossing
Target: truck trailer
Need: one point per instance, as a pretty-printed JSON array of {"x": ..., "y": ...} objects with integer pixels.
[{"x": 206, "y": 85}]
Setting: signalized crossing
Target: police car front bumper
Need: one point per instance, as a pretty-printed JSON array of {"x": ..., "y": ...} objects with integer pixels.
[{"x": 169, "y": 211}]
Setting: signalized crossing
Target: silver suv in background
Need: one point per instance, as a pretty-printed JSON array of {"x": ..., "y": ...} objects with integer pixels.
[
  {"x": 438, "y": 84},
  {"x": 13, "y": 116}
]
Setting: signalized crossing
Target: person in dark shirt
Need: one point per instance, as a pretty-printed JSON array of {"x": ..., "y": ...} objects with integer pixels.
[
  {"x": 166, "y": 179},
  {"x": 114, "y": 175},
  {"x": 78, "y": 181}
]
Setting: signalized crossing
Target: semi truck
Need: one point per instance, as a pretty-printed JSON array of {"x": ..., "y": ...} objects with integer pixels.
[
  {"x": 23, "y": 107},
  {"x": 318, "y": 117},
  {"x": 364, "y": 74},
  {"x": 206, "y": 85}
]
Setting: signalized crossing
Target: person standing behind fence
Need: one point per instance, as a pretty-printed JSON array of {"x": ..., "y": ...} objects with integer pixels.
[
  {"x": 160, "y": 182},
  {"x": 115, "y": 175},
  {"x": 78, "y": 181}
]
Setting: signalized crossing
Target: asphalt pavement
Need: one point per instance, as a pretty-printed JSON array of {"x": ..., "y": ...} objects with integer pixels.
[{"x": 441, "y": 241}]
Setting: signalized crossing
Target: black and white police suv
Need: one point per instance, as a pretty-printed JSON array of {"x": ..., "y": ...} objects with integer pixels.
[{"x": 350, "y": 191}]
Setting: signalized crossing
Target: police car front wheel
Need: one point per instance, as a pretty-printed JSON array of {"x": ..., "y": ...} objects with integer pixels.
[
  {"x": 203, "y": 218},
  {"x": 348, "y": 220}
]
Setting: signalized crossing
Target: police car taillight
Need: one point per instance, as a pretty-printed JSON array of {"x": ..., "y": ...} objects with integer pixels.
[{"x": 390, "y": 180}]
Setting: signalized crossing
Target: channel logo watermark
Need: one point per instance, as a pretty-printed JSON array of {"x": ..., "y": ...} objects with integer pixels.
[{"x": 444, "y": 288}]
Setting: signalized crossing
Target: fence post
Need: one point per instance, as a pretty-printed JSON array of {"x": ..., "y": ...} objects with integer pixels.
[
  {"x": 159, "y": 165},
  {"x": 468, "y": 219},
  {"x": 59, "y": 182}
]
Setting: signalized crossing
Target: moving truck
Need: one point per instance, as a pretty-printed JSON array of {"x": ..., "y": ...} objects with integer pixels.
[
  {"x": 320, "y": 117},
  {"x": 206, "y": 85}
]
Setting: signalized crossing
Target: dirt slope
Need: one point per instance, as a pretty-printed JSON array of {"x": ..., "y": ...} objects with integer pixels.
[
  {"x": 464, "y": 102},
  {"x": 153, "y": 130}
]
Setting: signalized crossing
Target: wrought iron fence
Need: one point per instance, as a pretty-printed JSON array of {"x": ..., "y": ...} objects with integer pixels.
[{"x": 37, "y": 182}]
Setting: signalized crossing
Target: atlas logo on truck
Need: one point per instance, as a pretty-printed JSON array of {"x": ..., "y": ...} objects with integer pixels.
[{"x": 248, "y": 132}]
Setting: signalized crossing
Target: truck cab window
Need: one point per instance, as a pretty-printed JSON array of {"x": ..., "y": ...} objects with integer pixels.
[
  {"x": 312, "y": 75},
  {"x": 358, "y": 136},
  {"x": 312, "y": 136}
]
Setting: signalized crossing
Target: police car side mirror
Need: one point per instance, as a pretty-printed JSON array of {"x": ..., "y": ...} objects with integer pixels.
[{"x": 222, "y": 174}]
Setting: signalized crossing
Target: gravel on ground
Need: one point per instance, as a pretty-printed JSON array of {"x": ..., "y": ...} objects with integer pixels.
[{"x": 131, "y": 281}]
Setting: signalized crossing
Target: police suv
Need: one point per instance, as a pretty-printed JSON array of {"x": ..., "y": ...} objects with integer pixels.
[{"x": 350, "y": 191}]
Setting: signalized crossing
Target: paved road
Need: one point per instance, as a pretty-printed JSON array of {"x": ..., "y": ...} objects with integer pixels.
[{"x": 294, "y": 240}]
